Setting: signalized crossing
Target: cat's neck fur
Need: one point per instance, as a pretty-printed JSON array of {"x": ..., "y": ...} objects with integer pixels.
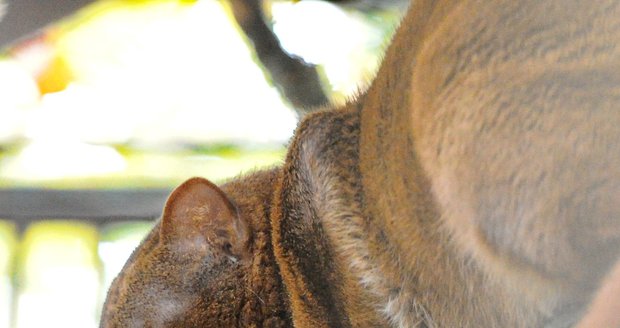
[
  {"x": 425, "y": 146},
  {"x": 371, "y": 198},
  {"x": 350, "y": 259}
]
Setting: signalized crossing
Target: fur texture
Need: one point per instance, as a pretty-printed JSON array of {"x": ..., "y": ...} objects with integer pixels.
[
  {"x": 474, "y": 184},
  {"x": 188, "y": 276}
]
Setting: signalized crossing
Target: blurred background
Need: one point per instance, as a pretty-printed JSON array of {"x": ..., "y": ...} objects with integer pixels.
[{"x": 106, "y": 105}]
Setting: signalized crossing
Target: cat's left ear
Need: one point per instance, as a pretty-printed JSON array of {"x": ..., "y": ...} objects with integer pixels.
[{"x": 199, "y": 214}]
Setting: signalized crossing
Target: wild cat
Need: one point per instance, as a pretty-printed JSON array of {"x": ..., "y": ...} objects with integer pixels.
[{"x": 474, "y": 184}]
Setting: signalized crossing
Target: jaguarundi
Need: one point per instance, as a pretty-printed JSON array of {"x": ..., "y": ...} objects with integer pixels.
[{"x": 475, "y": 183}]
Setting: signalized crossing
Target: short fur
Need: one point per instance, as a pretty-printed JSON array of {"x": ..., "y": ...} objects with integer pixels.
[
  {"x": 475, "y": 184},
  {"x": 179, "y": 279}
]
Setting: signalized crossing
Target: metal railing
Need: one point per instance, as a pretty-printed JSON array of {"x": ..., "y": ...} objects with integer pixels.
[{"x": 95, "y": 206}]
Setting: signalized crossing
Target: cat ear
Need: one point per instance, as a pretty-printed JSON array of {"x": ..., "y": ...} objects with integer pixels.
[{"x": 199, "y": 214}]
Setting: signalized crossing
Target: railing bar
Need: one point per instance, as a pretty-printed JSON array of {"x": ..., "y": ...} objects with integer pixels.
[{"x": 95, "y": 206}]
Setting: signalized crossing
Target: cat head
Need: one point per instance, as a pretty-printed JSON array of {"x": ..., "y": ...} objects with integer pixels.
[{"x": 208, "y": 262}]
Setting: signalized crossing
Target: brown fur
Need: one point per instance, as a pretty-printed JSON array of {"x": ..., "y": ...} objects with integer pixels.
[
  {"x": 475, "y": 184},
  {"x": 181, "y": 278}
]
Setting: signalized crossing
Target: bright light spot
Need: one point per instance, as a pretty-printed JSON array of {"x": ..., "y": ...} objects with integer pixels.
[
  {"x": 18, "y": 93},
  {"x": 59, "y": 276},
  {"x": 55, "y": 159},
  {"x": 165, "y": 74},
  {"x": 70, "y": 302},
  {"x": 6, "y": 293},
  {"x": 8, "y": 241},
  {"x": 324, "y": 34},
  {"x": 84, "y": 113},
  {"x": 332, "y": 30}
]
